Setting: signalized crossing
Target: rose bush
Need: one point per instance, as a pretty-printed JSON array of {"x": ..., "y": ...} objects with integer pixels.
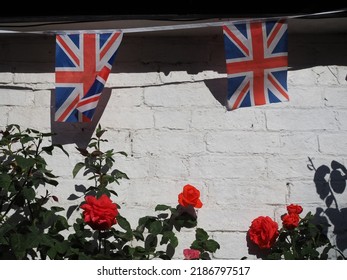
[
  {"x": 300, "y": 238},
  {"x": 30, "y": 229}
]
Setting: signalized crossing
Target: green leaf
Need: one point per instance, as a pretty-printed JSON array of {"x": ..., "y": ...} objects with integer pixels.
[
  {"x": 50, "y": 175},
  {"x": 52, "y": 182},
  {"x": 56, "y": 209},
  {"x": 119, "y": 174},
  {"x": 77, "y": 168},
  {"x": 52, "y": 253},
  {"x": 205, "y": 256},
  {"x": 212, "y": 245},
  {"x": 16, "y": 240},
  {"x": 61, "y": 247},
  {"x": 5, "y": 181},
  {"x": 123, "y": 223},
  {"x": 173, "y": 240},
  {"x": 26, "y": 138},
  {"x": 161, "y": 207},
  {"x": 61, "y": 148},
  {"x": 151, "y": 242},
  {"x": 59, "y": 225},
  {"x": 100, "y": 132},
  {"x": 25, "y": 163},
  {"x": 201, "y": 235},
  {"x": 113, "y": 192},
  {"x": 122, "y": 153},
  {"x": 138, "y": 235},
  {"x": 170, "y": 250},
  {"x": 28, "y": 194},
  {"x": 155, "y": 227}
]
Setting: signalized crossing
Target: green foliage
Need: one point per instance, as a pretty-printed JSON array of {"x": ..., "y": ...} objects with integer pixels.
[
  {"x": 307, "y": 241},
  {"x": 31, "y": 230},
  {"x": 28, "y": 229}
]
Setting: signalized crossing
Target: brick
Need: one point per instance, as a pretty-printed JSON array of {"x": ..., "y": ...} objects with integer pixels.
[
  {"x": 135, "y": 167},
  {"x": 300, "y": 120},
  {"x": 31, "y": 117},
  {"x": 4, "y": 111},
  {"x": 227, "y": 167},
  {"x": 336, "y": 97},
  {"x": 149, "y": 193},
  {"x": 181, "y": 95},
  {"x": 341, "y": 74},
  {"x": 304, "y": 192},
  {"x": 117, "y": 140},
  {"x": 233, "y": 245},
  {"x": 342, "y": 119},
  {"x": 319, "y": 75},
  {"x": 231, "y": 219},
  {"x": 186, "y": 76},
  {"x": 235, "y": 192},
  {"x": 172, "y": 119},
  {"x": 302, "y": 77},
  {"x": 175, "y": 142},
  {"x": 253, "y": 119},
  {"x": 234, "y": 142},
  {"x": 126, "y": 97},
  {"x": 12, "y": 97},
  {"x": 170, "y": 167},
  {"x": 326, "y": 75},
  {"x": 305, "y": 97},
  {"x": 285, "y": 168},
  {"x": 298, "y": 143},
  {"x": 62, "y": 165},
  {"x": 333, "y": 144},
  {"x": 133, "y": 79},
  {"x": 34, "y": 78},
  {"x": 43, "y": 98},
  {"x": 128, "y": 118},
  {"x": 6, "y": 78}
]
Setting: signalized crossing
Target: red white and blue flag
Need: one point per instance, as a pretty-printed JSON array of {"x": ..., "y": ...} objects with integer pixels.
[
  {"x": 257, "y": 62},
  {"x": 83, "y": 63}
]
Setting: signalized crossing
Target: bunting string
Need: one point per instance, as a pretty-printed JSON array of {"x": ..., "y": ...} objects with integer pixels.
[{"x": 171, "y": 27}]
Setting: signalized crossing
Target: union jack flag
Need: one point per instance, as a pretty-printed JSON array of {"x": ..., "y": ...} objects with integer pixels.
[
  {"x": 256, "y": 63},
  {"x": 83, "y": 63}
]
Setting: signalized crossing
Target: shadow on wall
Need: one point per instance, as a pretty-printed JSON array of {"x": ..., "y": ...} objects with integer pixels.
[
  {"x": 193, "y": 55},
  {"x": 78, "y": 133},
  {"x": 331, "y": 182}
]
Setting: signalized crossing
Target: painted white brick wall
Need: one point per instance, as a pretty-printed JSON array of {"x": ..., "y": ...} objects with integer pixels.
[{"x": 164, "y": 110}]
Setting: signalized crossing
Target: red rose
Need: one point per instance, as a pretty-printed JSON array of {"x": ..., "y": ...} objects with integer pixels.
[
  {"x": 294, "y": 209},
  {"x": 290, "y": 221},
  {"x": 263, "y": 232},
  {"x": 100, "y": 213},
  {"x": 190, "y": 196},
  {"x": 191, "y": 254}
]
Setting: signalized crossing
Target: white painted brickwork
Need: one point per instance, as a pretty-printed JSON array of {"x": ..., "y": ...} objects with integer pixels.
[{"x": 165, "y": 111}]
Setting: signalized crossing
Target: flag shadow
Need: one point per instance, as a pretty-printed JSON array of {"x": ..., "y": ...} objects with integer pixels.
[
  {"x": 78, "y": 133},
  {"x": 218, "y": 88}
]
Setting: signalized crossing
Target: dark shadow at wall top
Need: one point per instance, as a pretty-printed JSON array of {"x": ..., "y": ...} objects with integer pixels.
[{"x": 192, "y": 54}]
